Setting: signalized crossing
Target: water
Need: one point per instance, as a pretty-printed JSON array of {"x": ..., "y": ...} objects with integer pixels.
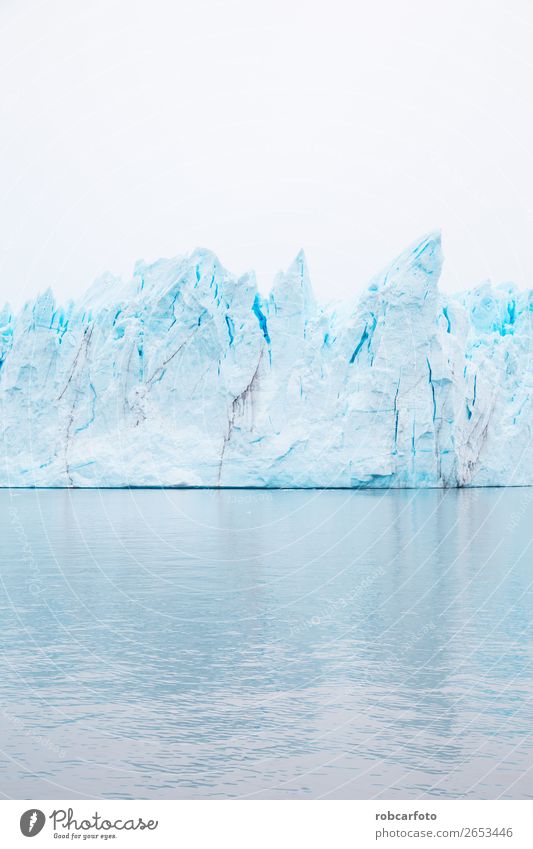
[{"x": 176, "y": 644}]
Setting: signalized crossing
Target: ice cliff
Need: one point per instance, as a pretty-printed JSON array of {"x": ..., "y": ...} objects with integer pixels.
[{"x": 185, "y": 375}]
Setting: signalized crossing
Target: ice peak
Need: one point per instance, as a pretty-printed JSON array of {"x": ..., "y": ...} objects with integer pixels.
[
  {"x": 292, "y": 291},
  {"x": 102, "y": 291},
  {"x": 299, "y": 265},
  {"x": 204, "y": 258},
  {"x": 415, "y": 270}
]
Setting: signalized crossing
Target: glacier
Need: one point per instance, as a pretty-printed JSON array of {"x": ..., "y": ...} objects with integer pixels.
[{"x": 186, "y": 376}]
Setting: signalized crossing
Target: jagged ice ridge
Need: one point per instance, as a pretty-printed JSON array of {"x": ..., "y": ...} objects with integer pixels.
[{"x": 186, "y": 376}]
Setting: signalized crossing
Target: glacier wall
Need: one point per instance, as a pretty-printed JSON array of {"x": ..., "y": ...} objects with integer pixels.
[{"x": 185, "y": 375}]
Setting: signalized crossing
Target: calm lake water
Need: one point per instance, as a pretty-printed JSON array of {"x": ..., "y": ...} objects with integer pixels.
[{"x": 177, "y": 644}]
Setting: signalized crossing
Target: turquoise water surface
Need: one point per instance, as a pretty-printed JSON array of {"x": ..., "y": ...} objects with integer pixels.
[{"x": 266, "y": 644}]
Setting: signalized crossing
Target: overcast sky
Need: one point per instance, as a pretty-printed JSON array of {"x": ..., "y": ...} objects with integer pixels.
[{"x": 146, "y": 128}]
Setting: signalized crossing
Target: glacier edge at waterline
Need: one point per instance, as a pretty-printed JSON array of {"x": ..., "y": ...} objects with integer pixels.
[{"x": 186, "y": 376}]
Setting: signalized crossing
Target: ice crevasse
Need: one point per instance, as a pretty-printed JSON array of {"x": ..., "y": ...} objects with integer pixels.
[{"x": 186, "y": 376}]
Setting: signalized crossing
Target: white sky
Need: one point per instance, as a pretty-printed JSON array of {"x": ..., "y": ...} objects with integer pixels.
[{"x": 146, "y": 128}]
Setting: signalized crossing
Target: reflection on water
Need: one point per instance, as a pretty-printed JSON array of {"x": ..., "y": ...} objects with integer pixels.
[{"x": 266, "y": 644}]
